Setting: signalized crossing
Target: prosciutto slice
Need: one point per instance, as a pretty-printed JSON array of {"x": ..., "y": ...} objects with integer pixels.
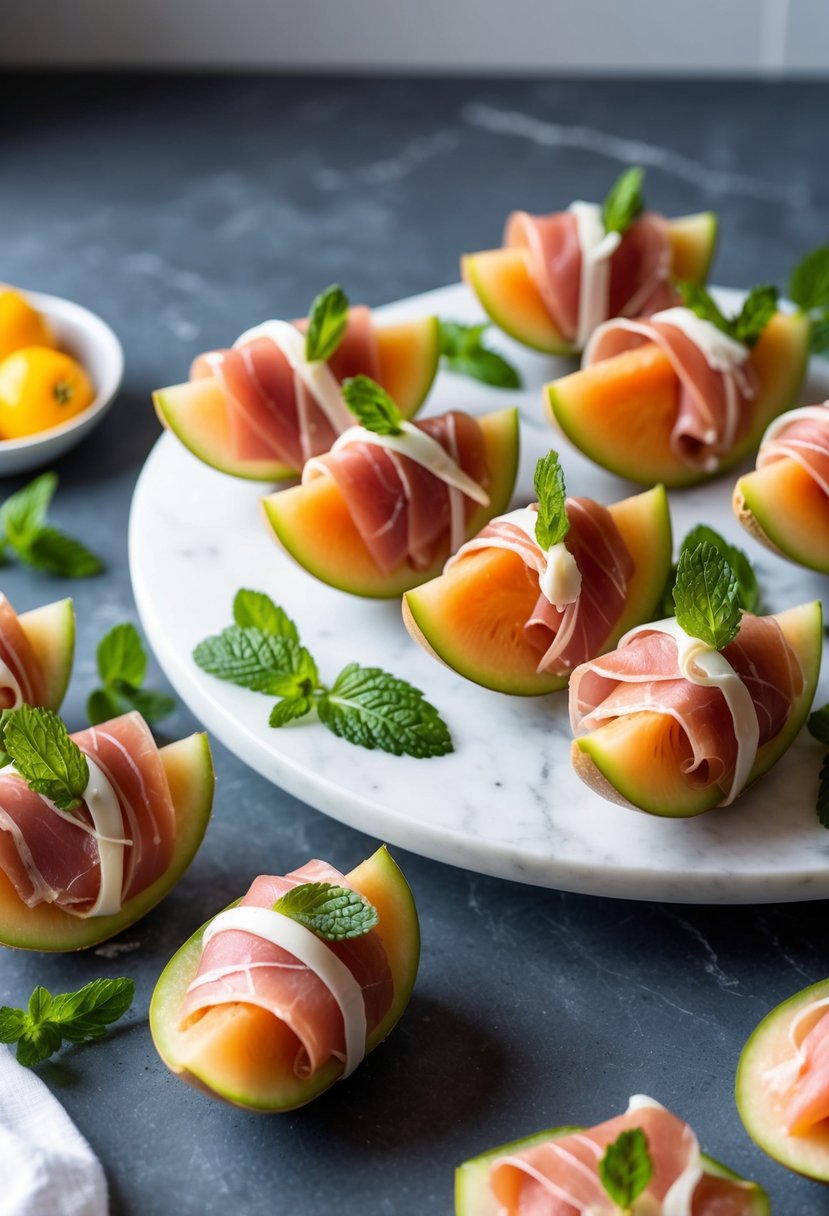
[
  {"x": 21, "y": 677},
  {"x": 802, "y": 436},
  {"x": 239, "y": 967},
  {"x": 713, "y": 404},
  {"x": 402, "y": 510},
  {"x": 54, "y": 857},
  {"x": 807, "y": 1102},
  {"x": 272, "y": 414},
  {"x": 643, "y": 674},
  {"x": 639, "y": 266}
]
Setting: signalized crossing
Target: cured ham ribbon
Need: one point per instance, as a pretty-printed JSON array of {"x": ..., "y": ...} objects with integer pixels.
[
  {"x": 21, "y": 677},
  {"x": 800, "y": 1082},
  {"x": 55, "y": 857},
  {"x": 802, "y": 436},
  {"x": 240, "y": 967}
]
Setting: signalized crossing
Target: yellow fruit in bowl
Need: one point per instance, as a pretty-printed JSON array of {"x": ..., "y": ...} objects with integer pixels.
[
  {"x": 40, "y": 388},
  {"x": 21, "y": 324}
]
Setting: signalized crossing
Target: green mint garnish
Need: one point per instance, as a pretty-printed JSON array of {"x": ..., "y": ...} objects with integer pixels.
[
  {"x": 35, "y": 542},
  {"x": 334, "y": 913},
  {"x": 626, "y": 1168},
  {"x": 818, "y": 724},
  {"x": 463, "y": 352},
  {"x": 262, "y": 662},
  {"x": 374, "y": 709},
  {"x": 327, "y": 323},
  {"x": 50, "y": 763},
  {"x": 122, "y": 667},
  {"x": 552, "y": 524},
  {"x": 747, "y": 327},
  {"x": 809, "y": 288},
  {"x": 748, "y": 587},
  {"x": 823, "y": 794},
  {"x": 624, "y": 201},
  {"x": 254, "y": 608},
  {"x": 372, "y": 406},
  {"x": 77, "y": 1017},
  {"x": 706, "y": 596}
]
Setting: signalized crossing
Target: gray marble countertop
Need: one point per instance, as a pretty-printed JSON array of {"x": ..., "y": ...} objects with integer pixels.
[{"x": 184, "y": 210}]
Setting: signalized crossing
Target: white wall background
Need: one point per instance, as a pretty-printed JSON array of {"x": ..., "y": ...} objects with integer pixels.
[{"x": 713, "y": 36}]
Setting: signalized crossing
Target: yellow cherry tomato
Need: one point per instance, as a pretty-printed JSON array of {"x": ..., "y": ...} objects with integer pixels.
[
  {"x": 21, "y": 324},
  {"x": 39, "y": 389}
]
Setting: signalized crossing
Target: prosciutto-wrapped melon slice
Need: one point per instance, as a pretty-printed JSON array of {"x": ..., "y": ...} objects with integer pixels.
[
  {"x": 375, "y": 522},
  {"x": 243, "y": 1019},
  {"x": 650, "y": 738},
  {"x": 36, "y": 653},
  {"x": 555, "y": 1173},
  {"x": 73, "y": 879},
  {"x": 250, "y": 413},
  {"x": 670, "y": 399},
  {"x": 784, "y": 503},
  {"x": 487, "y": 615},
  {"x": 783, "y": 1083}
]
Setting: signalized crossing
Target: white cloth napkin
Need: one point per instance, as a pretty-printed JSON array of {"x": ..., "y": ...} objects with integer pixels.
[{"x": 46, "y": 1166}]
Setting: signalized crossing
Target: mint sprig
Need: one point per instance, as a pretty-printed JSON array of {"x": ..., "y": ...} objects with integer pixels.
[
  {"x": 372, "y": 406},
  {"x": 327, "y": 323},
  {"x": 818, "y": 726},
  {"x": 334, "y": 913},
  {"x": 626, "y": 1168},
  {"x": 750, "y": 598},
  {"x": 77, "y": 1017},
  {"x": 748, "y": 325},
  {"x": 366, "y": 706},
  {"x": 463, "y": 352},
  {"x": 706, "y": 596},
  {"x": 809, "y": 289},
  {"x": 51, "y": 764},
  {"x": 35, "y": 542},
  {"x": 624, "y": 201},
  {"x": 122, "y": 668},
  {"x": 552, "y": 524}
]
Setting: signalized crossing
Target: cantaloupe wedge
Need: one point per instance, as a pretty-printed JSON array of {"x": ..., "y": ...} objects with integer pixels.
[
  {"x": 506, "y": 290},
  {"x": 472, "y": 617},
  {"x": 196, "y": 412},
  {"x": 621, "y": 412},
  {"x": 313, "y": 524},
  {"x": 785, "y": 509},
  {"x": 51, "y": 632},
  {"x": 635, "y": 760},
  {"x": 245, "y": 1055}
]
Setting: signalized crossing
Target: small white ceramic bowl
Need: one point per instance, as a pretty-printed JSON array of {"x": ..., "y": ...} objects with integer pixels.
[{"x": 90, "y": 340}]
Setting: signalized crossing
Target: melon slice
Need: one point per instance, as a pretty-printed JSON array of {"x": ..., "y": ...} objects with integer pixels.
[
  {"x": 245, "y": 1055},
  {"x": 196, "y": 411},
  {"x": 189, "y": 769},
  {"x": 473, "y": 1195},
  {"x": 505, "y": 288},
  {"x": 762, "y": 1107},
  {"x": 472, "y": 617},
  {"x": 620, "y": 412},
  {"x": 51, "y": 632},
  {"x": 785, "y": 509},
  {"x": 635, "y": 760},
  {"x": 313, "y": 525}
]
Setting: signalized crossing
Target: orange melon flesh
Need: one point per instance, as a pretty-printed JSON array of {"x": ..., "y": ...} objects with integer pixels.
[
  {"x": 244, "y": 1054},
  {"x": 762, "y": 1108},
  {"x": 313, "y": 524},
  {"x": 636, "y": 760},
  {"x": 196, "y": 411},
  {"x": 502, "y": 282},
  {"x": 620, "y": 412},
  {"x": 51, "y": 632},
  {"x": 472, "y": 617},
  {"x": 785, "y": 509},
  {"x": 189, "y": 769}
]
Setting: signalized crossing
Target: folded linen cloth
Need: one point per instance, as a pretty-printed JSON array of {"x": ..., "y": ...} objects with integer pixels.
[{"x": 46, "y": 1166}]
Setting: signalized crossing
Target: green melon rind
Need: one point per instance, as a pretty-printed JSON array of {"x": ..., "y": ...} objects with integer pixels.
[
  {"x": 804, "y": 630},
  {"x": 473, "y": 1196},
  {"x": 51, "y": 632},
  {"x": 75, "y": 933},
  {"x": 750, "y": 1093},
  {"x": 762, "y": 518},
  {"x": 293, "y": 1091}
]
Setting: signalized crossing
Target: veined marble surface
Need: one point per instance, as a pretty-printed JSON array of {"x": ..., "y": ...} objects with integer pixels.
[{"x": 507, "y": 801}]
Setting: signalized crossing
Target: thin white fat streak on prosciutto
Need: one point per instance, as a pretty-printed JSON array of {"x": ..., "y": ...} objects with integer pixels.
[
  {"x": 597, "y": 248},
  {"x": 42, "y": 891},
  {"x": 775, "y": 445},
  {"x": 679, "y": 1199},
  {"x": 304, "y": 945},
  {"x": 18, "y": 682},
  {"x": 781, "y": 1077},
  {"x": 215, "y": 362}
]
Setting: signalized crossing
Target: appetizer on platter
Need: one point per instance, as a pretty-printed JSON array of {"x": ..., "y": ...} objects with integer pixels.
[
  {"x": 383, "y": 510},
  {"x": 86, "y": 853},
  {"x": 690, "y": 710},
  {"x": 263, "y": 408},
  {"x": 785, "y": 503},
  {"x": 559, "y": 276},
  {"x": 783, "y": 1083},
  {"x": 646, "y": 1161},
  {"x": 544, "y": 588},
  {"x": 681, "y": 395},
  {"x": 286, "y": 991},
  {"x": 36, "y": 653}
]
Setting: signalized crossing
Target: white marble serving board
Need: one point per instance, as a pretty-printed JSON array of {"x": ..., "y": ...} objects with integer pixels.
[{"x": 507, "y": 801}]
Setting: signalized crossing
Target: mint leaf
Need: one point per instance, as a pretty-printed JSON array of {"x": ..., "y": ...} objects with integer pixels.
[
  {"x": 289, "y": 709},
  {"x": 818, "y": 725},
  {"x": 624, "y": 201},
  {"x": 153, "y": 706},
  {"x": 260, "y": 661},
  {"x": 819, "y": 332},
  {"x": 372, "y": 406},
  {"x": 257, "y": 609},
  {"x": 327, "y": 323},
  {"x": 626, "y": 1168},
  {"x": 77, "y": 1017},
  {"x": 706, "y": 596},
  {"x": 121, "y": 656},
  {"x": 334, "y": 913},
  {"x": 373, "y": 709},
  {"x": 750, "y": 599},
  {"x": 759, "y": 307},
  {"x": 55, "y": 553},
  {"x": 23, "y": 513},
  {"x": 823, "y": 793},
  {"x": 122, "y": 666},
  {"x": 702, "y": 304},
  {"x": 49, "y": 761},
  {"x": 101, "y": 706},
  {"x": 464, "y": 353},
  {"x": 552, "y": 524},
  {"x": 36, "y": 543},
  {"x": 809, "y": 281}
]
